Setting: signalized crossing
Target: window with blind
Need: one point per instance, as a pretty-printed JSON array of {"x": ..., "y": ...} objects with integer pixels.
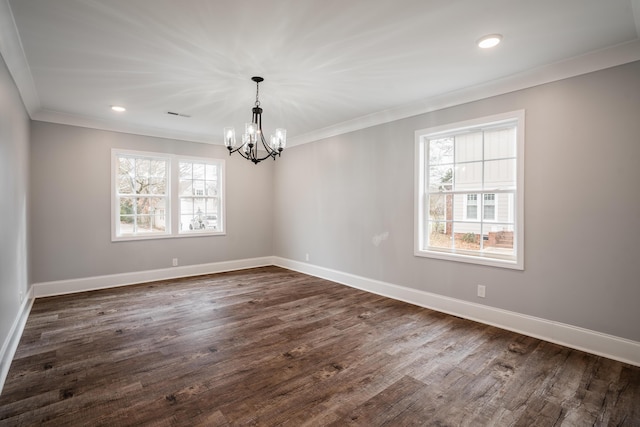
[{"x": 469, "y": 191}]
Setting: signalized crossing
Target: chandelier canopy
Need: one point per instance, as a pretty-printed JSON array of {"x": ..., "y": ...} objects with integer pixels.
[{"x": 253, "y": 134}]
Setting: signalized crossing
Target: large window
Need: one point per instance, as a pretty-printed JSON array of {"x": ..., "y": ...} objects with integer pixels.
[
  {"x": 143, "y": 195},
  {"x": 199, "y": 195},
  {"x": 158, "y": 195},
  {"x": 469, "y": 191}
]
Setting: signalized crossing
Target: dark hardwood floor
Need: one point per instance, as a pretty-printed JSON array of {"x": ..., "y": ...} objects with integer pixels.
[{"x": 270, "y": 346}]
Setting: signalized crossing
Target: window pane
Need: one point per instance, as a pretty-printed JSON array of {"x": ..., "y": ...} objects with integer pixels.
[
  {"x": 142, "y": 167},
  {"x": 439, "y": 206},
  {"x": 468, "y": 176},
  {"x": 124, "y": 184},
  {"x": 211, "y": 172},
  {"x": 185, "y": 221},
  {"x": 500, "y": 143},
  {"x": 149, "y": 205},
  {"x": 198, "y": 188},
  {"x": 211, "y": 206},
  {"x": 440, "y": 178},
  {"x": 186, "y": 207},
  {"x": 499, "y": 239},
  {"x": 467, "y": 236},
  {"x": 500, "y": 174},
  {"x": 505, "y": 207},
  {"x": 142, "y": 214},
  {"x": 198, "y": 171},
  {"x": 199, "y": 206},
  {"x": 158, "y": 168},
  {"x": 186, "y": 188},
  {"x": 125, "y": 165},
  {"x": 212, "y": 188},
  {"x": 441, "y": 151},
  {"x": 468, "y": 147},
  {"x": 127, "y": 205},
  {"x": 440, "y": 235},
  {"x": 459, "y": 207},
  {"x": 126, "y": 224},
  {"x": 157, "y": 185},
  {"x": 143, "y": 224},
  {"x": 186, "y": 170}
]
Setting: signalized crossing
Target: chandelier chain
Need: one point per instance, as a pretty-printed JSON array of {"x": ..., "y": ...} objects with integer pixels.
[{"x": 257, "y": 93}]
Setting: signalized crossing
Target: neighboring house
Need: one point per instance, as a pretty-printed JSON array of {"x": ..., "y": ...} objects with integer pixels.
[{"x": 474, "y": 173}]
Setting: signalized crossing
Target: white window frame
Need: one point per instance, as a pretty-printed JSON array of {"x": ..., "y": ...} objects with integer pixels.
[
  {"x": 172, "y": 214},
  {"x": 220, "y": 227},
  {"x": 421, "y": 197}
]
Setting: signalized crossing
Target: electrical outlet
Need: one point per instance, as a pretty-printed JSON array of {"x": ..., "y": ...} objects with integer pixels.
[
  {"x": 21, "y": 296},
  {"x": 306, "y": 257},
  {"x": 175, "y": 262},
  {"x": 481, "y": 291}
]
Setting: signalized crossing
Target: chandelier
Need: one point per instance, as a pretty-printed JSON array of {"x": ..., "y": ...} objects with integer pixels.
[{"x": 253, "y": 135}]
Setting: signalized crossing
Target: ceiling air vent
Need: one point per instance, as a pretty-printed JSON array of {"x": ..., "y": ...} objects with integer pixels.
[{"x": 177, "y": 114}]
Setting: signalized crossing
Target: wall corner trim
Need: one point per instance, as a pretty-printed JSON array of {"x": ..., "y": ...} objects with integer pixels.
[{"x": 600, "y": 344}]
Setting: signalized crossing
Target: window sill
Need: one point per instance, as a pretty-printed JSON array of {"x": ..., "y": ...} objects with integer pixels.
[
  {"x": 479, "y": 259},
  {"x": 167, "y": 236}
]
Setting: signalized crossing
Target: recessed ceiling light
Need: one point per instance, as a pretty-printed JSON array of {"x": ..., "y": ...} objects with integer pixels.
[
  {"x": 118, "y": 108},
  {"x": 489, "y": 41}
]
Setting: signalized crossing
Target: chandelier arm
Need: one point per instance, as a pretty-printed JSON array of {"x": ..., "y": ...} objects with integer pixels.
[
  {"x": 266, "y": 146},
  {"x": 238, "y": 151}
]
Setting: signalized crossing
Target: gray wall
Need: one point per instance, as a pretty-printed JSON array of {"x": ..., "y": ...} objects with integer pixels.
[
  {"x": 582, "y": 205},
  {"x": 71, "y": 196},
  {"x": 14, "y": 197}
]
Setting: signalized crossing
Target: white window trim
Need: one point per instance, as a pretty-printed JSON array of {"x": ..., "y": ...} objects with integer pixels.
[
  {"x": 222, "y": 194},
  {"x": 172, "y": 213},
  {"x": 420, "y": 199}
]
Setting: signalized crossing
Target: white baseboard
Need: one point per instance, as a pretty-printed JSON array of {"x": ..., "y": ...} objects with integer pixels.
[
  {"x": 10, "y": 344},
  {"x": 594, "y": 342},
  {"x": 597, "y": 343},
  {"x": 61, "y": 287}
]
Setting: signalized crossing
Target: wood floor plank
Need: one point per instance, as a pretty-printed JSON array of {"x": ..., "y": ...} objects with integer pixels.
[{"x": 270, "y": 346}]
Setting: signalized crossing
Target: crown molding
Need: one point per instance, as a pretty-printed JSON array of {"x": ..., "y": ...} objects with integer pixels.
[
  {"x": 57, "y": 117},
  {"x": 13, "y": 54},
  {"x": 594, "y": 61}
]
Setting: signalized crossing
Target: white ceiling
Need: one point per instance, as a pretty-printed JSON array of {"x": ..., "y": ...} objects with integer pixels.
[{"x": 329, "y": 65}]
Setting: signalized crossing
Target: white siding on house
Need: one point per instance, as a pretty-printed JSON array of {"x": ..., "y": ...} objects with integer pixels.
[{"x": 497, "y": 172}]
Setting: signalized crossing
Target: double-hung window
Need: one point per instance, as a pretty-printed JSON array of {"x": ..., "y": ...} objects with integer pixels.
[
  {"x": 470, "y": 192},
  {"x": 142, "y": 195},
  {"x": 200, "y": 203},
  {"x": 158, "y": 195}
]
